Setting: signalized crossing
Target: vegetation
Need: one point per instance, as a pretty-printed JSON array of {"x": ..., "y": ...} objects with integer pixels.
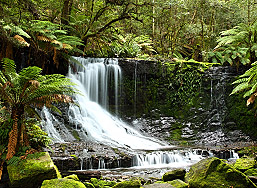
[{"x": 21, "y": 93}]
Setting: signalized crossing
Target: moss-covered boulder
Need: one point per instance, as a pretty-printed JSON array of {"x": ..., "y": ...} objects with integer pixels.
[
  {"x": 32, "y": 171},
  {"x": 62, "y": 183},
  {"x": 89, "y": 185},
  {"x": 178, "y": 183},
  {"x": 159, "y": 185},
  {"x": 128, "y": 184},
  {"x": 174, "y": 174},
  {"x": 245, "y": 163},
  {"x": 214, "y": 173},
  {"x": 73, "y": 177},
  {"x": 101, "y": 183}
]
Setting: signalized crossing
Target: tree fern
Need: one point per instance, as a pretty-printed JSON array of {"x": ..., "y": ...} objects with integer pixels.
[{"x": 27, "y": 89}]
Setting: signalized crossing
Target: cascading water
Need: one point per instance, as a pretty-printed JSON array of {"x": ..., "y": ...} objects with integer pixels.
[{"x": 95, "y": 122}]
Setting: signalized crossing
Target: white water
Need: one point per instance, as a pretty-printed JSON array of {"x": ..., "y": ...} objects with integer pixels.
[
  {"x": 54, "y": 128},
  {"x": 95, "y": 121},
  {"x": 160, "y": 159}
]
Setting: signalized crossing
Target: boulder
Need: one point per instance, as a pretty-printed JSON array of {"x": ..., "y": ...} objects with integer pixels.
[
  {"x": 245, "y": 163},
  {"x": 128, "y": 184},
  {"x": 101, "y": 183},
  {"x": 174, "y": 174},
  {"x": 178, "y": 183},
  {"x": 213, "y": 173},
  {"x": 73, "y": 177},
  {"x": 31, "y": 172},
  {"x": 62, "y": 183},
  {"x": 159, "y": 185}
]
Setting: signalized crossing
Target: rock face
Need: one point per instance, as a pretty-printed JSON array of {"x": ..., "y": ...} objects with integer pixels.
[
  {"x": 31, "y": 173},
  {"x": 213, "y": 173},
  {"x": 175, "y": 174},
  {"x": 61, "y": 183}
]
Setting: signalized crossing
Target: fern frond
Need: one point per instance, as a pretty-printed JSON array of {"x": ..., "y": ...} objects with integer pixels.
[
  {"x": 240, "y": 88},
  {"x": 240, "y": 81},
  {"x": 21, "y": 40}
]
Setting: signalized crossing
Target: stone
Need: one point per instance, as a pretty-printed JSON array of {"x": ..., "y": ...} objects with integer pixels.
[
  {"x": 32, "y": 172},
  {"x": 62, "y": 183},
  {"x": 245, "y": 163},
  {"x": 213, "y": 173},
  {"x": 101, "y": 183},
  {"x": 174, "y": 174},
  {"x": 159, "y": 185},
  {"x": 128, "y": 184},
  {"x": 178, "y": 183},
  {"x": 73, "y": 177},
  {"x": 89, "y": 185}
]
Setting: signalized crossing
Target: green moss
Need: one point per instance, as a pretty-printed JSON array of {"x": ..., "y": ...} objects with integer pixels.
[
  {"x": 101, "y": 183},
  {"x": 244, "y": 163},
  {"x": 213, "y": 172},
  {"x": 89, "y": 185},
  {"x": 73, "y": 177},
  {"x": 128, "y": 184},
  {"x": 62, "y": 183},
  {"x": 32, "y": 172},
  {"x": 75, "y": 135},
  {"x": 178, "y": 183},
  {"x": 174, "y": 174}
]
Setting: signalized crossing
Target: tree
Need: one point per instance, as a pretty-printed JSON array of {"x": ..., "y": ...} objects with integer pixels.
[{"x": 22, "y": 92}]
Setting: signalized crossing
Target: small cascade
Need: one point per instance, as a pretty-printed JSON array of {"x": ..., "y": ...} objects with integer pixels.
[
  {"x": 174, "y": 158},
  {"x": 54, "y": 128}
]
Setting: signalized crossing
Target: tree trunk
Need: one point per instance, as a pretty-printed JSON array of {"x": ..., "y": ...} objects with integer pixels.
[{"x": 66, "y": 11}]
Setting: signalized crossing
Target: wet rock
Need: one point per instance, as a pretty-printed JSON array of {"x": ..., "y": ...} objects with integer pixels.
[
  {"x": 85, "y": 174},
  {"x": 60, "y": 183},
  {"x": 159, "y": 185},
  {"x": 31, "y": 173},
  {"x": 128, "y": 184},
  {"x": 178, "y": 183},
  {"x": 175, "y": 174},
  {"x": 213, "y": 172}
]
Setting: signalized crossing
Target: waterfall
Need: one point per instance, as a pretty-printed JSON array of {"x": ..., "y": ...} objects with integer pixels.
[{"x": 95, "y": 122}]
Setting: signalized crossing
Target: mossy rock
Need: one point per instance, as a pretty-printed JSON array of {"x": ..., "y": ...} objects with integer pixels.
[
  {"x": 245, "y": 163},
  {"x": 178, "y": 183},
  {"x": 73, "y": 177},
  {"x": 251, "y": 172},
  {"x": 159, "y": 185},
  {"x": 101, "y": 183},
  {"x": 89, "y": 185},
  {"x": 62, "y": 183},
  {"x": 32, "y": 172},
  {"x": 174, "y": 174},
  {"x": 214, "y": 173},
  {"x": 128, "y": 184}
]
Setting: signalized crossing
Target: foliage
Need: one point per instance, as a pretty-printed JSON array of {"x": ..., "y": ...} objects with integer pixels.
[
  {"x": 22, "y": 92},
  {"x": 229, "y": 56},
  {"x": 241, "y": 42},
  {"x": 247, "y": 83},
  {"x": 37, "y": 137}
]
